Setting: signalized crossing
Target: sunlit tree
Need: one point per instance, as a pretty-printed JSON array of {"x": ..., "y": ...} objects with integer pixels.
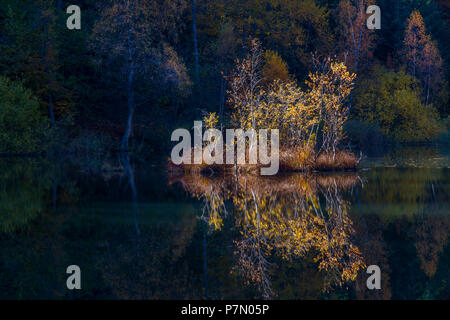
[{"x": 421, "y": 55}]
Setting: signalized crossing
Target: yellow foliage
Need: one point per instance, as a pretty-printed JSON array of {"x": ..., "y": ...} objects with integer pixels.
[
  {"x": 274, "y": 68},
  {"x": 283, "y": 105},
  {"x": 284, "y": 217},
  {"x": 211, "y": 120}
]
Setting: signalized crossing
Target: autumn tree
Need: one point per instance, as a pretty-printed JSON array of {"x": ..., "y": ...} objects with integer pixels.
[
  {"x": 245, "y": 87},
  {"x": 274, "y": 67},
  {"x": 138, "y": 35},
  {"x": 421, "y": 56},
  {"x": 329, "y": 87},
  {"x": 356, "y": 41},
  {"x": 275, "y": 102},
  {"x": 301, "y": 116}
]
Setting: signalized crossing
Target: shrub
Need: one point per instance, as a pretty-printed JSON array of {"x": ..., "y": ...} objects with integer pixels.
[
  {"x": 21, "y": 122},
  {"x": 342, "y": 160},
  {"x": 391, "y": 100}
]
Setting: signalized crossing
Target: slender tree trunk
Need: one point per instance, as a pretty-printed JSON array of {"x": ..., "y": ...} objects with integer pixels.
[
  {"x": 222, "y": 99},
  {"x": 194, "y": 29},
  {"x": 428, "y": 87},
  {"x": 129, "y": 128},
  {"x": 205, "y": 264}
]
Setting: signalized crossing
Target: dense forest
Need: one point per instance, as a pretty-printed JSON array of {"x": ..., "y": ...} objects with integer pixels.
[{"x": 136, "y": 70}]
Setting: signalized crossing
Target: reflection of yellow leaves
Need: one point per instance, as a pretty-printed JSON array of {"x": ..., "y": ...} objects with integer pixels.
[
  {"x": 215, "y": 220},
  {"x": 285, "y": 217}
]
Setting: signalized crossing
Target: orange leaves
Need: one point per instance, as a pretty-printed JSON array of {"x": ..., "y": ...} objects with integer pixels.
[
  {"x": 419, "y": 50},
  {"x": 422, "y": 56},
  {"x": 356, "y": 40}
]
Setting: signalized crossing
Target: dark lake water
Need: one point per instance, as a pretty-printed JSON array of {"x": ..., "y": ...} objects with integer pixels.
[{"x": 147, "y": 234}]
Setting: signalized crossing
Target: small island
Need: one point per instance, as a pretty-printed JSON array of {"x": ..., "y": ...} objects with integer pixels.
[{"x": 310, "y": 122}]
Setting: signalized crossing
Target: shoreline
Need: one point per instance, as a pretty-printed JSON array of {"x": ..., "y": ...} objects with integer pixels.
[{"x": 290, "y": 160}]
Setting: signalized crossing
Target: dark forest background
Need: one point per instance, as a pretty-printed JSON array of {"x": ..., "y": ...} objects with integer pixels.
[{"x": 70, "y": 89}]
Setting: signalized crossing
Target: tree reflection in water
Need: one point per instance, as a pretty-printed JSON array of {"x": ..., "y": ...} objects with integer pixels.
[{"x": 286, "y": 217}]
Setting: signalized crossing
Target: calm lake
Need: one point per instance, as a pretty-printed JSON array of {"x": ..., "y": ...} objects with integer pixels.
[{"x": 147, "y": 234}]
